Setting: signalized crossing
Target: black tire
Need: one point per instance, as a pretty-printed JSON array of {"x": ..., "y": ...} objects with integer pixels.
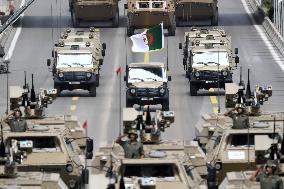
[
  {"x": 58, "y": 90},
  {"x": 130, "y": 31},
  {"x": 172, "y": 30},
  {"x": 166, "y": 106},
  {"x": 193, "y": 90},
  {"x": 115, "y": 20},
  {"x": 93, "y": 91},
  {"x": 97, "y": 80},
  {"x": 129, "y": 104},
  {"x": 214, "y": 19}
]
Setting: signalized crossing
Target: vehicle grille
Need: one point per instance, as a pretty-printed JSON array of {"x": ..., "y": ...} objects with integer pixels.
[
  {"x": 75, "y": 76},
  {"x": 209, "y": 75},
  {"x": 147, "y": 92}
]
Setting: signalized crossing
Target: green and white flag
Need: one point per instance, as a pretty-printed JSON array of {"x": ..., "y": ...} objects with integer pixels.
[{"x": 150, "y": 40}]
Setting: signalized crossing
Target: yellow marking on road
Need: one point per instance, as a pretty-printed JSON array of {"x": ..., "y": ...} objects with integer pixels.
[
  {"x": 213, "y": 99},
  {"x": 73, "y": 107},
  {"x": 215, "y": 110},
  {"x": 75, "y": 98},
  {"x": 146, "y": 57}
]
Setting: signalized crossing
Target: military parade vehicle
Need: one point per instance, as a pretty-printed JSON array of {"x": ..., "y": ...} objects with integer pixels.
[
  {"x": 147, "y": 84},
  {"x": 240, "y": 149},
  {"x": 148, "y": 13},
  {"x": 91, "y": 10},
  {"x": 33, "y": 106},
  {"x": 188, "y": 10},
  {"x": 76, "y": 61},
  {"x": 7, "y": 8},
  {"x": 166, "y": 165},
  {"x": 150, "y": 124},
  {"x": 208, "y": 59}
]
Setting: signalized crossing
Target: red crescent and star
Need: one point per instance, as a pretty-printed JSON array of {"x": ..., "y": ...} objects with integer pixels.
[{"x": 150, "y": 37}]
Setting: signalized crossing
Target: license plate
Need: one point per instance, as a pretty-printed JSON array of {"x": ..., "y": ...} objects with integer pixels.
[
  {"x": 147, "y": 99},
  {"x": 74, "y": 83},
  {"x": 209, "y": 81}
]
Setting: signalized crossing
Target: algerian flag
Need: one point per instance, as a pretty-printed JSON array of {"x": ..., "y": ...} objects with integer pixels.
[{"x": 150, "y": 40}]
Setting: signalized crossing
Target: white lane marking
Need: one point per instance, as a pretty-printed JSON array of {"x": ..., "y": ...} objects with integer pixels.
[
  {"x": 264, "y": 37},
  {"x": 16, "y": 37}
]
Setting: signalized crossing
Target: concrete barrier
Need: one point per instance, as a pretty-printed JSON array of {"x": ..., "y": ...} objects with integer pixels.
[{"x": 269, "y": 27}]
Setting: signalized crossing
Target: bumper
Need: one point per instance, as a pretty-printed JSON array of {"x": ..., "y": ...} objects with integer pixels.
[
  {"x": 146, "y": 19},
  {"x": 95, "y": 12},
  {"x": 146, "y": 100},
  {"x": 210, "y": 83},
  {"x": 194, "y": 11},
  {"x": 71, "y": 85}
]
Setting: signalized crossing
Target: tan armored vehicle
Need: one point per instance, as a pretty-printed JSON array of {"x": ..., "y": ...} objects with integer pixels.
[
  {"x": 7, "y": 8},
  {"x": 150, "y": 124},
  {"x": 76, "y": 61},
  {"x": 188, "y": 10},
  {"x": 47, "y": 148},
  {"x": 147, "y": 13},
  {"x": 165, "y": 166},
  {"x": 208, "y": 59},
  {"x": 147, "y": 84},
  {"x": 92, "y": 10}
]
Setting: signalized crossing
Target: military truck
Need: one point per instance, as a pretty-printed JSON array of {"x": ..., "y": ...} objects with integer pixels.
[
  {"x": 47, "y": 148},
  {"x": 150, "y": 124},
  {"x": 7, "y": 8},
  {"x": 188, "y": 10},
  {"x": 75, "y": 65},
  {"x": 208, "y": 59},
  {"x": 91, "y": 10},
  {"x": 167, "y": 165},
  {"x": 147, "y": 84},
  {"x": 148, "y": 13}
]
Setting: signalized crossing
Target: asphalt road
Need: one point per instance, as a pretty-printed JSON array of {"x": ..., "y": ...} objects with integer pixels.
[{"x": 40, "y": 30}]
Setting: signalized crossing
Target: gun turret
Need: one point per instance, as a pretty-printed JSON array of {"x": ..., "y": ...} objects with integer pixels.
[
  {"x": 248, "y": 91},
  {"x": 33, "y": 95},
  {"x": 241, "y": 96},
  {"x": 25, "y": 97}
]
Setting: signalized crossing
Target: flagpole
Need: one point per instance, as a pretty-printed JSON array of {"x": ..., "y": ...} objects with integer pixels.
[{"x": 120, "y": 113}]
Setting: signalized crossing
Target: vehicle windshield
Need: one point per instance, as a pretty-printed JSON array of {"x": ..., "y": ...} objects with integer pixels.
[
  {"x": 74, "y": 60},
  {"x": 210, "y": 58},
  {"x": 149, "y": 170},
  {"x": 138, "y": 74}
]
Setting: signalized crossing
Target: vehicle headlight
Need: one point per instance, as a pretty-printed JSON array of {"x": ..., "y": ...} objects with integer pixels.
[
  {"x": 197, "y": 74},
  {"x": 72, "y": 183},
  {"x": 89, "y": 75},
  {"x": 60, "y": 75},
  {"x": 162, "y": 90},
  {"x": 225, "y": 73},
  {"x": 132, "y": 91},
  {"x": 69, "y": 167},
  {"x": 218, "y": 165}
]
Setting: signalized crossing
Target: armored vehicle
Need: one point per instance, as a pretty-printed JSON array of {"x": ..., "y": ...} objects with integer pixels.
[
  {"x": 148, "y": 13},
  {"x": 76, "y": 62},
  {"x": 239, "y": 149},
  {"x": 208, "y": 59},
  {"x": 147, "y": 84},
  {"x": 167, "y": 165},
  {"x": 188, "y": 10},
  {"x": 150, "y": 124},
  {"x": 7, "y": 8},
  {"x": 47, "y": 148},
  {"x": 91, "y": 10}
]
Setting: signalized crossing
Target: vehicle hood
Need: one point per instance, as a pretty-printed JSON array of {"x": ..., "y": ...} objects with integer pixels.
[
  {"x": 75, "y": 69},
  {"x": 147, "y": 84},
  {"x": 209, "y": 67},
  {"x": 41, "y": 159}
]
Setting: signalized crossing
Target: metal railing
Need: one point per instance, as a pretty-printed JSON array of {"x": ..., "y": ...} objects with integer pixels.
[{"x": 278, "y": 18}]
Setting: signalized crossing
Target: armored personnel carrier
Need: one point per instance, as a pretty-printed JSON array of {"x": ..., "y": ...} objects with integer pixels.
[
  {"x": 76, "y": 61},
  {"x": 241, "y": 149},
  {"x": 148, "y": 13},
  {"x": 147, "y": 84},
  {"x": 208, "y": 59},
  {"x": 188, "y": 10},
  {"x": 167, "y": 165},
  {"x": 87, "y": 10},
  {"x": 150, "y": 124},
  {"x": 7, "y": 8}
]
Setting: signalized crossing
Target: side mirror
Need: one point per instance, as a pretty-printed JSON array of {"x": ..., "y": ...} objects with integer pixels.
[
  {"x": 125, "y": 6},
  {"x": 124, "y": 78},
  {"x": 48, "y": 62},
  {"x": 237, "y": 60},
  {"x": 89, "y": 148},
  {"x": 180, "y": 45},
  {"x": 184, "y": 61},
  {"x": 236, "y": 51},
  {"x": 101, "y": 61},
  {"x": 56, "y": 45},
  {"x": 104, "y": 46},
  {"x": 2, "y": 52},
  {"x": 52, "y": 54},
  {"x": 169, "y": 78},
  {"x": 103, "y": 52}
]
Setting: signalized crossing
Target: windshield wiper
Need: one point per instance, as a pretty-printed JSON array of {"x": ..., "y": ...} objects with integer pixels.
[
  {"x": 138, "y": 79},
  {"x": 66, "y": 64},
  {"x": 152, "y": 79},
  {"x": 213, "y": 63},
  {"x": 78, "y": 64},
  {"x": 202, "y": 63}
]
